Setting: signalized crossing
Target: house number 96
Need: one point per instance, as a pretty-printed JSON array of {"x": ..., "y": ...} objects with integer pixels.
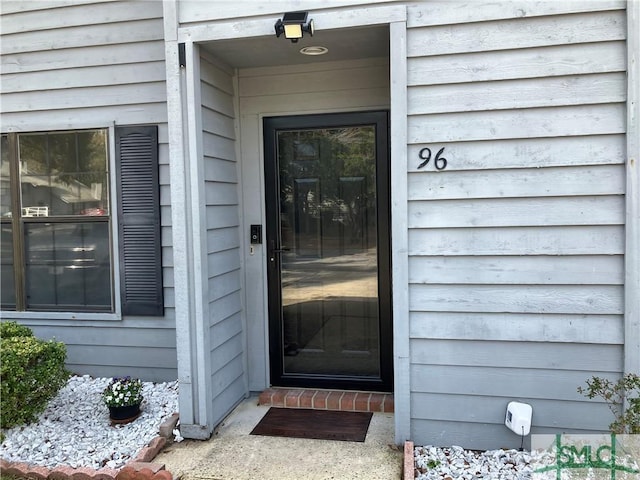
[{"x": 439, "y": 162}]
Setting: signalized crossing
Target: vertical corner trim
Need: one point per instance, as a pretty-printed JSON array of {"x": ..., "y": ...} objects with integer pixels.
[{"x": 632, "y": 195}]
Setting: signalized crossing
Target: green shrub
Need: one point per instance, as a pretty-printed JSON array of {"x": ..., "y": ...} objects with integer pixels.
[
  {"x": 626, "y": 389},
  {"x": 31, "y": 373},
  {"x": 13, "y": 329}
]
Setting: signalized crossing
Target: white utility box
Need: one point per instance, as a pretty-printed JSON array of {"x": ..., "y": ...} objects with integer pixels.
[{"x": 518, "y": 417}]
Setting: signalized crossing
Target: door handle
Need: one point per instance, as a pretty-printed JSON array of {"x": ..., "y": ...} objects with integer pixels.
[{"x": 274, "y": 251}]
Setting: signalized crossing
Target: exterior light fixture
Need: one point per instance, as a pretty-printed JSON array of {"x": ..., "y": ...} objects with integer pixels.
[
  {"x": 314, "y": 50},
  {"x": 294, "y": 25}
]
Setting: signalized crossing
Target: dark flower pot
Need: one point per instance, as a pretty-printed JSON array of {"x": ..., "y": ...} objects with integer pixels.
[{"x": 125, "y": 414}]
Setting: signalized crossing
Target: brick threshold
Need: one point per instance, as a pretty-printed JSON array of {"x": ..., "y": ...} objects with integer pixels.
[{"x": 343, "y": 400}]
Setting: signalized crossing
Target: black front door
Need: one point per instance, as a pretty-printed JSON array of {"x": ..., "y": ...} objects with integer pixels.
[{"x": 328, "y": 250}]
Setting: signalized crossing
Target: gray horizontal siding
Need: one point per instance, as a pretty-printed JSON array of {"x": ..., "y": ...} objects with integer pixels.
[
  {"x": 516, "y": 249},
  {"x": 140, "y": 30},
  {"x": 531, "y": 153},
  {"x": 518, "y": 93},
  {"x": 521, "y": 327},
  {"x": 104, "y": 75},
  {"x": 94, "y": 64},
  {"x": 532, "y": 354},
  {"x": 515, "y": 33},
  {"x": 45, "y": 16},
  {"x": 70, "y": 66},
  {"x": 505, "y": 270},
  {"x": 121, "y": 95},
  {"x": 540, "y": 62},
  {"x": 515, "y": 212},
  {"x": 501, "y": 182},
  {"x": 222, "y": 216},
  {"x": 107, "y": 349},
  {"x": 440, "y": 408},
  {"x": 443, "y": 12},
  {"x": 81, "y": 57},
  {"x": 503, "y": 382},
  {"x": 15, "y": 6},
  {"x": 572, "y": 299},
  {"x": 578, "y": 120},
  {"x": 451, "y": 432},
  {"x": 555, "y": 240}
]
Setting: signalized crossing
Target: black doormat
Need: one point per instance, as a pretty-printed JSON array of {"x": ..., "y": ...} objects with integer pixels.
[{"x": 317, "y": 424}]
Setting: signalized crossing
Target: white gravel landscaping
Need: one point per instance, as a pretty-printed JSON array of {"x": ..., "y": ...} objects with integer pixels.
[
  {"x": 75, "y": 429},
  {"x": 433, "y": 463},
  {"x": 455, "y": 463}
]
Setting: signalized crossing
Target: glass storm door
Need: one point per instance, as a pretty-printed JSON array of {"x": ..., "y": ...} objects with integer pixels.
[{"x": 328, "y": 250}]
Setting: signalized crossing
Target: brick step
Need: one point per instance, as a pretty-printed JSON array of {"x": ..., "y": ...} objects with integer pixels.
[{"x": 344, "y": 400}]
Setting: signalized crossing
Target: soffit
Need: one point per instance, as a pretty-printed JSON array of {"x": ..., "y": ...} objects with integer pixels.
[{"x": 343, "y": 44}]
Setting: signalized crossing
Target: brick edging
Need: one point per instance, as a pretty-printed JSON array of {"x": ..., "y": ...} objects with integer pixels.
[
  {"x": 138, "y": 468},
  {"x": 408, "y": 472},
  {"x": 321, "y": 399}
]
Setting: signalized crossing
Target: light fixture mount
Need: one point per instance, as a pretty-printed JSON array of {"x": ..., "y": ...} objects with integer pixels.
[
  {"x": 294, "y": 25},
  {"x": 314, "y": 50}
]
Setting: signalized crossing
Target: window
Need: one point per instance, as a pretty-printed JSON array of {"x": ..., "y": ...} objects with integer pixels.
[
  {"x": 57, "y": 228},
  {"x": 56, "y": 251}
]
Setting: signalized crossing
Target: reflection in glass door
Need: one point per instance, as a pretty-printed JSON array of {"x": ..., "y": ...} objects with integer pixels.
[{"x": 327, "y": 241}]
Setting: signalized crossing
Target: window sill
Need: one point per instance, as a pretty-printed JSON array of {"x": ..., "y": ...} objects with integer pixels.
[{"x": 11, "y": 315}]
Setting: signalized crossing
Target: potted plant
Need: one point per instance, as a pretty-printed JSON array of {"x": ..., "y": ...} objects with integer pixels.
[{"x": 123, "y": 396}]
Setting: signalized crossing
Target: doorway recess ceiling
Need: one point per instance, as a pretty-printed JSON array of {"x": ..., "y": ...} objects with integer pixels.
[{"x": 343, "y": 44}]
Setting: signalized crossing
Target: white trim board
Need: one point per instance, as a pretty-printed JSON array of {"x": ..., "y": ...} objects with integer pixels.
[
  {"x": 246, "y": 28},
  {"x": 632, "y": 241},
  {"x": 399, "y": 233}
]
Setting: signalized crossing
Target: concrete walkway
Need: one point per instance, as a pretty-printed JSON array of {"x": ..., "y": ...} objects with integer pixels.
[{"x": 233, "y": 454}]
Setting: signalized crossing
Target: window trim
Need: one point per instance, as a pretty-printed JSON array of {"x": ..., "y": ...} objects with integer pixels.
[
  {"x": 115, "y": 240},
  {"x": 61, "y": 315},
  {"x": 18, "y": 230}
]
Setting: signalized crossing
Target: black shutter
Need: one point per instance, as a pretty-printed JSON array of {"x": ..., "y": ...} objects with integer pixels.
[{"x": 139, "y": 220}]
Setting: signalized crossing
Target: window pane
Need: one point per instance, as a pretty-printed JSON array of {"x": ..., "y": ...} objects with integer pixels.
[
  {"x": 67, "y": 266},
  {"x": 64, "y": 174},
  {"x": 33, "y": 154},
  {"x": 5, "y": 183},
  {"x": 7, "y": 281},
  {"x": 62, "y": 155}
]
